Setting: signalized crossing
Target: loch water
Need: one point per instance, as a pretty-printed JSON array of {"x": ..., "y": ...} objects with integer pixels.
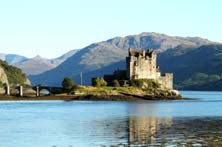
[{"x": 102, "y": 124}]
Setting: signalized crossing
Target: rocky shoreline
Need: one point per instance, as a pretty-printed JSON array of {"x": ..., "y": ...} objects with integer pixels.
[
  {"x": 90, "y": 97},
  {"x": 126, "y": 97}
]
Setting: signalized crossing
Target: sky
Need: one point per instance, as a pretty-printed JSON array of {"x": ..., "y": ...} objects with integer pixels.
[{"x": 50, "y": 28}]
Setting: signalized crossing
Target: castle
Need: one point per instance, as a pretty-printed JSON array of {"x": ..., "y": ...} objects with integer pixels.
[{"x": 141, "y": 64}]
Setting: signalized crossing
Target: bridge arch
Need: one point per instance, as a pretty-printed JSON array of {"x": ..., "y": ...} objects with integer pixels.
[{"x": 50, "y": 90}]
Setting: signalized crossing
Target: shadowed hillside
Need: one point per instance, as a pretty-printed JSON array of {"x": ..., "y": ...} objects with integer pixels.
[{"x": 196, "y": 67}]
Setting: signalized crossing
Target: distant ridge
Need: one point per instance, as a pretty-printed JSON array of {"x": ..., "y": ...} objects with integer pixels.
[
  {"x": 35, "y": 65},
  {"x": 12, "y": 58}
]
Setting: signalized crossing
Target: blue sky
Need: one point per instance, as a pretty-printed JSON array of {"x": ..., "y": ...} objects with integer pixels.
[{"x": 52, "y": 27}]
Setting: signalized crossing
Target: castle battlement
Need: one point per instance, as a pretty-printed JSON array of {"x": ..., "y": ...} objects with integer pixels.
[{"x": 141, "y": 64}]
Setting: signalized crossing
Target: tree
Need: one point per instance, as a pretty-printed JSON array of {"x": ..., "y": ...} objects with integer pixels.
[
  {"x": 99, "y": 82},
  {"x": 67, "y": 83}
]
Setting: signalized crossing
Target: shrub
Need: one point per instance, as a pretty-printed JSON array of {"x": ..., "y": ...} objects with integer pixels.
[
  {"x": 116, "y": 83},
  {"x": 75, "y": 87},
  {"x": 145, "y": 83},
  {"x": 99, "y": 82},
  {"x": 138, "y": 83}
]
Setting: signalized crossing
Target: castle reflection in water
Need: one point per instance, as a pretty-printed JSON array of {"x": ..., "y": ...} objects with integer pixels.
[{"x": 146, "y": 130}]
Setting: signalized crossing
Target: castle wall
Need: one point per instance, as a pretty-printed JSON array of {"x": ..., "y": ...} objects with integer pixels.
[
  {"x": 145, "y": 69},
  {"x": 141, "y": 64},
  {"x": 158, "y": 75},
  {"x": 141, "y": 67},
  {"x": 129, "y": 72},
  {"x": 166, "y": 81}
]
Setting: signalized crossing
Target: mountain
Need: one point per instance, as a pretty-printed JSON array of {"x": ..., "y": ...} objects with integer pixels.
[
  {"x": 59, "y": 60},
  {"x": 161, "y": 42},
  {"x": 12, "y": 58},
  {"x": 197, "y": 68},
  {"x": 36, "y": 65},
  {"x": 99, "y": 55}
]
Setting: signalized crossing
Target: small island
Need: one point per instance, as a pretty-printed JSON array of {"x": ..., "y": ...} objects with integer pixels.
[{"x": 142, "y": 80}]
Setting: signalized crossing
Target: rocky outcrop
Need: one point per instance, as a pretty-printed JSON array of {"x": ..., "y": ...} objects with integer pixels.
[
  {"x": 3, "y": 76},
  {"x": 27, "y": 82}
]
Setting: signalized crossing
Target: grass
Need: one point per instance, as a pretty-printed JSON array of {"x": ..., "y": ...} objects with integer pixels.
[{"x": 114, "y": 90}]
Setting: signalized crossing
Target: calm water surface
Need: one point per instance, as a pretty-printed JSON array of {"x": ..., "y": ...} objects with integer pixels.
[{"x": 102, "y": 124}]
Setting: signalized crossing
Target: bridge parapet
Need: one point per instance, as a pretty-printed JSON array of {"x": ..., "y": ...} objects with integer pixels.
[{"x": 30, "y": 91}]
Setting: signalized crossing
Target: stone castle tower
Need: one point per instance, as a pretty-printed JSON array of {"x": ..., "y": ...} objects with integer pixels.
[{"x": 141, "y": 64}]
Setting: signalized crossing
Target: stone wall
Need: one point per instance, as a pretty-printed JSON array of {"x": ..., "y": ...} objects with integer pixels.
[
  {"x": 166, "y": 81},
  {"x": 141, "y": 64}
]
